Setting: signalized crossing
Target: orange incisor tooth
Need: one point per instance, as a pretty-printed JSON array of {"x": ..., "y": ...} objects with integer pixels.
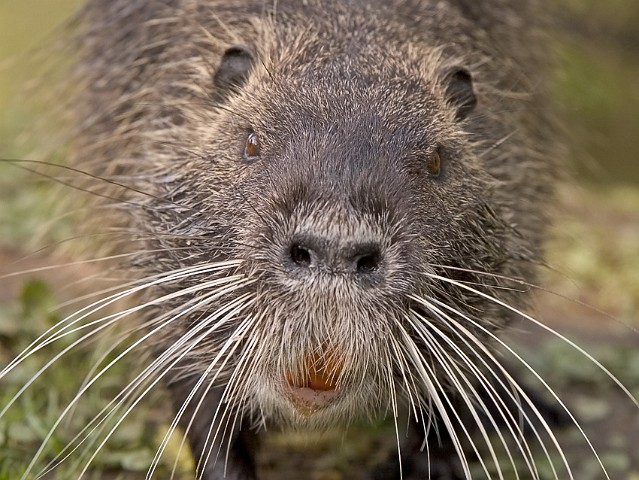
[{"x": 323, "y": 370}]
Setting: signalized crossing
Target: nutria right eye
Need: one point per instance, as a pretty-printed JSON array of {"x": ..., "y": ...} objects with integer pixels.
[{"x": 252, "y": 147}]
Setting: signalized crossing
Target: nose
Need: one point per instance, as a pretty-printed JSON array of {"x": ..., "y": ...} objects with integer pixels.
[{"x": 354, "y": 256}]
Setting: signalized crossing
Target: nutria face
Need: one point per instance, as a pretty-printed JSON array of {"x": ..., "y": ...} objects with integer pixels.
[
  {"x": 351, "y": 202},
  {"x": 326, "y": 210}
]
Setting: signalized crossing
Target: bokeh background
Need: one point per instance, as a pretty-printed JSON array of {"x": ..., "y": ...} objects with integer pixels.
[{"x": 592, "y": 279}]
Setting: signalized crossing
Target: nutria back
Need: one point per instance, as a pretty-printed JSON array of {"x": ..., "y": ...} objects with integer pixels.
[{"x": 331, "y": 206}]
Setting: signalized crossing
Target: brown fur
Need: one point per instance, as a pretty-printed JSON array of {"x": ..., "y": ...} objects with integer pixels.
[{"x": 350, "y": 101}]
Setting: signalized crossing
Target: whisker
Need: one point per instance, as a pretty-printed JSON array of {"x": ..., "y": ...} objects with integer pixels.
[
  {"x": 427, "y": 375},
  {"x": 512, "y": 382},
  {"x": 226, "y": 349},
  {"x": 541, "y": 288},
  {"x": 537, "y": 376},
  {"x": 162, "y": 360},
  {"x": 17, "y": 163},
  {"x": 545, "y": 327},
  {"x": 499, "y": 403},
  {"x": 447, "y": 365},
  {"x": 88, "y": 384},
  {"x": 80, "y": 315},
  {"x": 394, "y": 408}
]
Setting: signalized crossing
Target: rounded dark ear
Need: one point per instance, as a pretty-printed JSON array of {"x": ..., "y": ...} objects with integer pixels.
[
  {"x": 459, "y": 91},
  {"x": 234, "y": 68}
]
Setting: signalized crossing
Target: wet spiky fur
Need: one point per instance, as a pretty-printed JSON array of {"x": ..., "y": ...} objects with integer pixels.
[{"x": 350, "y": 102}]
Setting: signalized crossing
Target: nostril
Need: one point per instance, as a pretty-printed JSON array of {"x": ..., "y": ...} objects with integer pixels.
[
  {"x": 368, "y": 263},
  {"x": 313, "y": 253},
  {"x": 300, "y": 255}
]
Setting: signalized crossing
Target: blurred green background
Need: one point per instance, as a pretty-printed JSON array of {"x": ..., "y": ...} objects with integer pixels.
[{"x": 593, "y": 253}]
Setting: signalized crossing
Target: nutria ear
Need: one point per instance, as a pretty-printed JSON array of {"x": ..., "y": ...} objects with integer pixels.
[
  {"x": 234, "y": 68},
  {"x": 459, "y": 91}
]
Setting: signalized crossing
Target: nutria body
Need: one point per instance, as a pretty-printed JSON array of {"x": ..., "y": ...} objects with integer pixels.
[{"x": 328, "y": 203}]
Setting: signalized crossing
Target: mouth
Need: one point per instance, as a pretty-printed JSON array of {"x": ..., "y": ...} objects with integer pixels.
[{"x": 317, "y": 385}]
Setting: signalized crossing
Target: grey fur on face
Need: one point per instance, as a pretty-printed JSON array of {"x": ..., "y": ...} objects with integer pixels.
[{"x": 342, "y": 201}]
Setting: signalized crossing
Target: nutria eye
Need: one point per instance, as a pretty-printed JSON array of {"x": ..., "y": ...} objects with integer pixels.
[
  {"x": 252, "y": 147},
  {"x": 434, "y": 165}
]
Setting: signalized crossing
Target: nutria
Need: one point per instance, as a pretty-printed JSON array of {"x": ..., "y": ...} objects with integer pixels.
[{"x": 331, "y": 208}]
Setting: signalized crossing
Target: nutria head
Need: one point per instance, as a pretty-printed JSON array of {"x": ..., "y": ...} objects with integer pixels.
[
  {"x": 338, "y": 179},
  {"x": 324, "y": 207}
]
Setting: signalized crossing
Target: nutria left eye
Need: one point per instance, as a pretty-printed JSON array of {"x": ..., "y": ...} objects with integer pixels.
[
  {"x": 251, "y": 147},
  {"x": 434, "y": 165}
]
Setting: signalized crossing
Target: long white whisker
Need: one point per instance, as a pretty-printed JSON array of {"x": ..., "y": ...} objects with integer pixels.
[
  {"x": 233, "y": 390},
  {"x": 394, "y": 407},
  {"x": 427, "y": 375},
  {"x": 226, "y": 318},
  {"x": 238, "y": 284},
  {"x": 539, "y": 378},
  {"x": 548, "y": 329},
  {"x": 514, "y": 384},
  {"x": 231, "y": 312},
  {"x": 463, "y": 333},
  {"x": 540, "y": 288},
  {"x": 106, "y": 322},
  {"x": 49, "y": 336},
  {"x": 435, "y": 349},
  {"x": 510, "y": 421}
]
